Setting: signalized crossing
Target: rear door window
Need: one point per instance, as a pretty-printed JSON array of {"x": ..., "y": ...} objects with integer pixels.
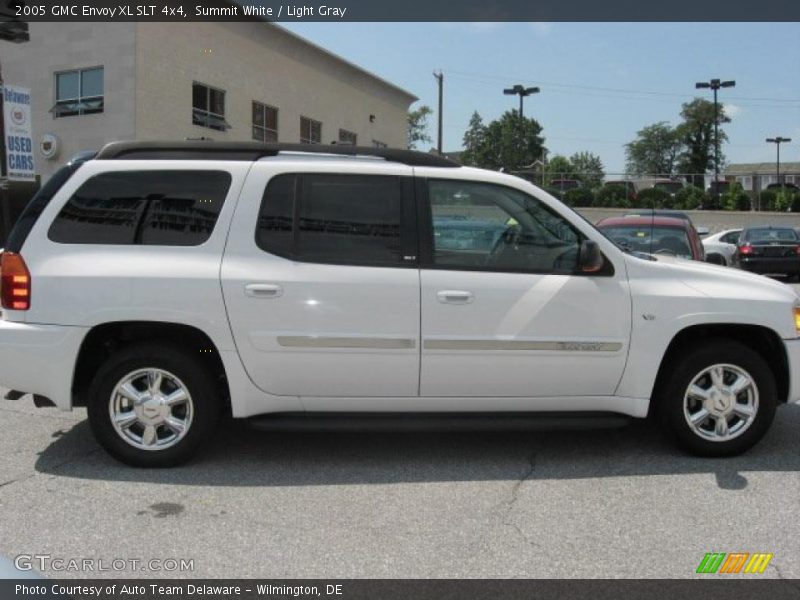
[
  {"x": 337, "y": 219},
  {"x": 154, "y": 208}
]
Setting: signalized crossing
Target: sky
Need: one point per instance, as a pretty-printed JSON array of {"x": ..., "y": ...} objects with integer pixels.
[{"x": 600, "y": 82}]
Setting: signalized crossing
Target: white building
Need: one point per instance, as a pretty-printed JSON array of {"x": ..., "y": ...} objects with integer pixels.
[{"x": 92, "y": 83}]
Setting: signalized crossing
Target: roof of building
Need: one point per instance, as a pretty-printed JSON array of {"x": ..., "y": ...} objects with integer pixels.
[
  {"x": 411, "y": 97},
  {"x": 344, "y": 62},
  {"x": 764, "y": 168}
]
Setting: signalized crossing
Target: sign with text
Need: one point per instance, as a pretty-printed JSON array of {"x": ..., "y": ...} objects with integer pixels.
[{"x": 18, "y": 133}]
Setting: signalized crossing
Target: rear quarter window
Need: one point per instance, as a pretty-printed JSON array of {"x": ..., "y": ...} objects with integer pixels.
[{"x": 153, "y": 208}]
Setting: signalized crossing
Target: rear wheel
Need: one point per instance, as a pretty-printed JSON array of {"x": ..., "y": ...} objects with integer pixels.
[
  {"x": 153, "y": 405},
  {"x": 720, "y": 399}
]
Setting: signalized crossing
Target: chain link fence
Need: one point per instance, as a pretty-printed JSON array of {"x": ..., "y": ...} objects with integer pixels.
[{"x": 687, "y": 191}]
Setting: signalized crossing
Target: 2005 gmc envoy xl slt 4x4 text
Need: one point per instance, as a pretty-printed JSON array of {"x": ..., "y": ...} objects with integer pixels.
[{"x": 162, "y": 285}]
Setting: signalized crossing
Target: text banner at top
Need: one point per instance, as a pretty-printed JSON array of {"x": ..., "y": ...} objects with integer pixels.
[{"x": 400, "y": 10}]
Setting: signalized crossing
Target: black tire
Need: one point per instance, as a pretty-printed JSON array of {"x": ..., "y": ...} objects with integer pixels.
[
  {"x": 205, "y": 399},
  {"x": 670, "y": 401}
]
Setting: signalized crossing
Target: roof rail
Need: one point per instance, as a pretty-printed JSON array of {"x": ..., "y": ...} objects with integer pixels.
[{"x": 252, "y": 151}]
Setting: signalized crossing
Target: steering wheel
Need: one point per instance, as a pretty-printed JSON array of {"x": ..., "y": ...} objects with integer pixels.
[{"x": 508, "y": 238}]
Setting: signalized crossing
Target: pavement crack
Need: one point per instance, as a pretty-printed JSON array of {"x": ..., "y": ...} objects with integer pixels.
[
  {"x": 51, "y": 469},
  {"x": 506, "y": 507},
  {"x": 17, "y": 480}
]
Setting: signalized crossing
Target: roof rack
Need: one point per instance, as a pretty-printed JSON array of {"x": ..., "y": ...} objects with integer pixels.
[{"x": 252, "y": 151}]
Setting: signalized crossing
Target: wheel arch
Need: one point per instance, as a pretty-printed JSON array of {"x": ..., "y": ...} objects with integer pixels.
[
  {"x": 104, "y": 339},
  {"x": 765, "y": 341}
]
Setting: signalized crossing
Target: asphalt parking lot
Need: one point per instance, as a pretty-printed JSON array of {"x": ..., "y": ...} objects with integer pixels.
[{"x": 604, "y": 503}]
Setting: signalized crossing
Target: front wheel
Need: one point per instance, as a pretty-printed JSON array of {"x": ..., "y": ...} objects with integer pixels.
[
  {"x": 152, "y": 405},
  {"x": 719, "y": 400}
]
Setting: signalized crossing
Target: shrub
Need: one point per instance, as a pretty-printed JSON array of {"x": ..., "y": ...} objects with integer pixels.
[
  {"x": 783, "y": 201},
  {"x": 690, "y": 198},
  {"x": 767, "y": 200},
  {"x": 579, "y": 197},
  {"x": 735, "y": 198},
  {"x": 795, "y": 206},
  {"x": 611, "y": 196},
  {"x": 654, "y": 198}
]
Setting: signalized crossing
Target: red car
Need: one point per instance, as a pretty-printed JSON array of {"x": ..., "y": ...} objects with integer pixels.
[{"x": 654, "y": 235}]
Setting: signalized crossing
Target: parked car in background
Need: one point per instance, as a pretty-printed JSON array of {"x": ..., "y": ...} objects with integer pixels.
[
  {"x": 565, "y": 185},
  {"x": 722, "y": 186},
  {"x": 721, "y": 246},
  {"x": 790, "y": 187},
  {"x": 665, "y": 212},
  {"x": 654, "y": 235},
  {"x": 671, "y": 186},
  {"x": 629, "y": 187},
  {"x": 769, "y": 251}
]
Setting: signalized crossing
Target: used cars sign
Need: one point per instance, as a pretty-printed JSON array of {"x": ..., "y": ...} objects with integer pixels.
[{"x": 19, "y": 138}]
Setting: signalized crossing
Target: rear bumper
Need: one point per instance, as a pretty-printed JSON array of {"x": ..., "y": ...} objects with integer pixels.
[
  {"x": 789, "y": 265},
  {"x": 40, "y": 359},
  {"x": 793, "y": 356}
]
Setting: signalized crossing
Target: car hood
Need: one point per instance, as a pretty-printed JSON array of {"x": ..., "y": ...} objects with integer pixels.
[{"x": 713, "y": 280}]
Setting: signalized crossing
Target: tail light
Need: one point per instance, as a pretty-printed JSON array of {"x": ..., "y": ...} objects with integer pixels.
[
  {"x": 746, "y": 249},
  {"x": 15, "y": 282}
]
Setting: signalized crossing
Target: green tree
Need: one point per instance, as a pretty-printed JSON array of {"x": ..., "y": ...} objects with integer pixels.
[
  {"x": 654, "y": 151},
  {"x": 559, "y": 167},
  {"x": 696, "y": 132},
  {"x": 588, "y": 169},
  {"x": 509, "y": 143},
  {"x": 473, "y": 142},
  {"x": 418, "y": 126}
]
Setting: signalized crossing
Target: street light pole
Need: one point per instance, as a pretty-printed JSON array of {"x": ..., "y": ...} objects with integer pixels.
[
  {"x": 522, "y": 92},
  {"x": 778, "y": 140},
  {"x": 715, "y": 85},
  {"x": 440, "y": 80}
]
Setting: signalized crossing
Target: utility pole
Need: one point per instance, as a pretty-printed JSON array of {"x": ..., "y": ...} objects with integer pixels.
[
  {"x": 522, "y": 92},
  {"x": 715, "y": 85},
  {"x": 440, "y": 80},
  {"x": 778, "y": 140}
]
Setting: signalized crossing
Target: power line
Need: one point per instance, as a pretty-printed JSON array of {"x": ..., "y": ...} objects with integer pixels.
[{"x": 551, "y": 84}]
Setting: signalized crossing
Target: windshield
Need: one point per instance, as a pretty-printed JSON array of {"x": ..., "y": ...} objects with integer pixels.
[
  {"x": 770, "y": 236},
  {"x": 671, "y": 187},
  {"x": 651, "y": 240}
]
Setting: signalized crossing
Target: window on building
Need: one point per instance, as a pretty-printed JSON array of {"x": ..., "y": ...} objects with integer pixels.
[
  {"x": 379, "y": 144},
  {"x": 208, "y": 107},
  {"x": 79, "y": 92},
  {"x": 336, "y": 219},
  {"x": 154, "y": 208},
  {"x": 265, "y": 122},
  {"x": 347, "y": 137},
  {"x": 310, "y": 131}
]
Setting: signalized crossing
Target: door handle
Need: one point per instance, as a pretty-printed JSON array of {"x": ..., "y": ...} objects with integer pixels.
[
  {"x": 263, "y": 290},
  {"x": 455, "y": 297}
]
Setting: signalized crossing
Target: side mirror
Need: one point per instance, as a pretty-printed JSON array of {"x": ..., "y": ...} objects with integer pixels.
[
  {"x": 590, "y": 259},
  {"x": 703, "y": 231}
]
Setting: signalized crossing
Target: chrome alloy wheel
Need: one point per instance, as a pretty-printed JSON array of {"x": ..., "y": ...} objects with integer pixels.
[
  {"x": 151, "y": 409},
  {"x": 721, "y": 402}
]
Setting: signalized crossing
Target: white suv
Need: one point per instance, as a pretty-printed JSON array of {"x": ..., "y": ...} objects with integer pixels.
[{"x": 163, "y": 284}]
